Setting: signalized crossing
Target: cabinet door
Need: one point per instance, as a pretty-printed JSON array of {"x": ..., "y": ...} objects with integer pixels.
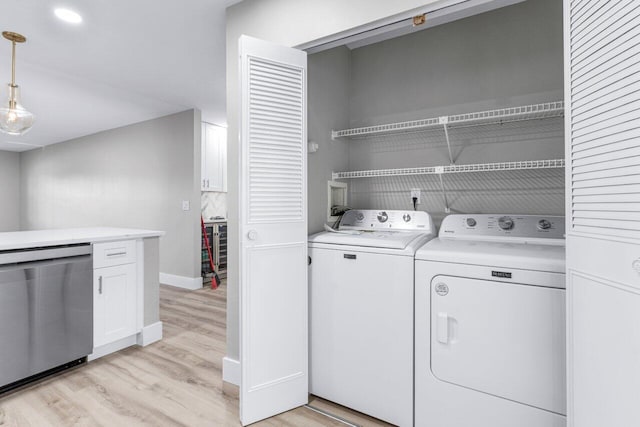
[
  {"x": 214, "y": 155},
  {"x": 203, "y": 157},
  {"x": 114, "y": 303},
  {"x": 223, "y": 157}
]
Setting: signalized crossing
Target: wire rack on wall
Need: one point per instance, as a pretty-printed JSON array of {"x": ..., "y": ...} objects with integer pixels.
[
  {"x": 446, "y": 123},
  {"x": 503, "y": 115},
  {"x": 438, "y": 170}
]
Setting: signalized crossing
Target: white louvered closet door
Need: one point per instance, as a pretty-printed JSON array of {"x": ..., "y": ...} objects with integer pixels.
[
  {"x": 602, "y": 84},
  {"x": 273, "y": 230}
]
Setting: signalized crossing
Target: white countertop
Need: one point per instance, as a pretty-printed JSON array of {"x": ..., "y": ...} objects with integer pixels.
[{"x": 68, "y": 236}]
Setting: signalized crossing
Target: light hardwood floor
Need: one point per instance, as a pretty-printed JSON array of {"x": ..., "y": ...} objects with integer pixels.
[{"x": 174, "y": 382}]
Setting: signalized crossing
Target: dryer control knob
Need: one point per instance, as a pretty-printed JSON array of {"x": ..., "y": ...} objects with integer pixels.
[
  {"x": 360, "y": 216},
  {"x": 383, "y": 217},
  {"x": 471, "y": 222},
  {"x": 505, "y": 223},
  {"x": 544, "y": 224},
  {"x": 406, "y": 217}
]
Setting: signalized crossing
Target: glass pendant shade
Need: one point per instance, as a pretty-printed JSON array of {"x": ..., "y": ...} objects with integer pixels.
[{"x": 14, "y": 118}]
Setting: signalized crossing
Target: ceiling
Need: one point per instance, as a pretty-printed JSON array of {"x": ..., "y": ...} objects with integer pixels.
[{"x": 128, "y": 61}]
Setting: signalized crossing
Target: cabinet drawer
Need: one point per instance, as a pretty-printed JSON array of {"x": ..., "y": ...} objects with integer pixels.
[{"x": 114, "y": 253}]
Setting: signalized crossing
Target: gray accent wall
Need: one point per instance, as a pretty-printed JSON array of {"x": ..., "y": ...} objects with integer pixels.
[
  {"x": 328, "y": 108},
  {"x": 504, "y": 58},
  {"x": 136, "y": 176},
  {"x": 9, "y": 191}
]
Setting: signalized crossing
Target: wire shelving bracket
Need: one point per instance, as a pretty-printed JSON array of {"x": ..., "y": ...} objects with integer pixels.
[
  {"x": 440, "y": 171},
  {"x": 444, "y": 120}
]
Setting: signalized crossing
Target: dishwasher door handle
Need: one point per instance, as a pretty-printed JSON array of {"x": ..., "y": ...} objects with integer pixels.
[{"x": 100, "y": 285}]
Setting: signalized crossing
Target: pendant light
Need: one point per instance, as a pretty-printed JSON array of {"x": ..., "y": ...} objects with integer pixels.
[{"x": 14, "y": 118}]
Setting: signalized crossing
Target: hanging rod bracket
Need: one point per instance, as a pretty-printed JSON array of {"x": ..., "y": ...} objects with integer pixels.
[
  {"x": 334, "y": 135},
  {"x": 419, "y": 19}
]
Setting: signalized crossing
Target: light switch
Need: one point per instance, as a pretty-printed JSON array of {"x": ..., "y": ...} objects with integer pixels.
[{"x": 186, "y": 205}]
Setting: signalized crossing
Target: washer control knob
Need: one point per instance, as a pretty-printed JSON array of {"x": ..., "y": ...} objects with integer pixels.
[
  {"x": 544, "y": 224},
  {"x": 406, "y": 217},
  {"x": 383, "y": 217},
  {"x": 360, "y": 216},
  {"x": 505, "y": 223},
  {"x": 471, "y": 222}
]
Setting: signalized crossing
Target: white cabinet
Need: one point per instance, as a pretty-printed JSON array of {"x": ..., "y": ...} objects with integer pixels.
[
  {"x": 214, "y": 158},
  {"x": 114, "y": 303},
  {"x": 117, "y": 295}
]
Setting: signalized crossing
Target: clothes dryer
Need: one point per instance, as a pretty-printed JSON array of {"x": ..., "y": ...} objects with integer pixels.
[{"x": 490, "y": 323}]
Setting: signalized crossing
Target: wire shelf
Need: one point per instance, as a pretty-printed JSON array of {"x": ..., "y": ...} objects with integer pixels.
[
  {"x": 527, "y": 112},
  {"x": 440, "y": 170}
]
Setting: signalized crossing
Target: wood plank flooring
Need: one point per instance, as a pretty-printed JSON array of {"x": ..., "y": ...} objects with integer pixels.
[{"x": 174, "y": 382}]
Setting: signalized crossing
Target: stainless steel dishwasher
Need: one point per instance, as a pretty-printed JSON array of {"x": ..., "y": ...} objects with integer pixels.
[{"x": 46, "y": 311}]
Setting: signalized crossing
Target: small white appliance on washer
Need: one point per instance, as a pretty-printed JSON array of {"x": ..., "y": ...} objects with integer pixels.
[
  {"x": 490, "y": 323},
  {"x": 361, "y": 311}
]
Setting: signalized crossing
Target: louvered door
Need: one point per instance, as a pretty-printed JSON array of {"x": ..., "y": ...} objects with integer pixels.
[
  {"x": 273, "y": 270},
  {"x": 602, "y": 84}
]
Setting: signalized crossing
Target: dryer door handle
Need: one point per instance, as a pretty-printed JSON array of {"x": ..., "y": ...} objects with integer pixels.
[{"x": 442, "y": 328}]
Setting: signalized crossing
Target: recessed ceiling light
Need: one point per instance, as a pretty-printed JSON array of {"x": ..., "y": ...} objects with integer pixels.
[{"x": 68, "y": 16}]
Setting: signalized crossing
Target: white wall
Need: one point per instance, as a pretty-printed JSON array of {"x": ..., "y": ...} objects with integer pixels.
[
  {"x": 9, "y": 191},
  {"x": 135, "y": 176},
  {"x": 290, "y": 23}
]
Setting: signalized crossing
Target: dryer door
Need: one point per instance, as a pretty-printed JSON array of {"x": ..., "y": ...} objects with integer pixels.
[{"x": 500, "y": 338}]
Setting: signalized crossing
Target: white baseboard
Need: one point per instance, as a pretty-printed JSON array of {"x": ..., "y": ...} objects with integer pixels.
[
  {"x": 184, "y": 282},
  {"x": 103, "y": 350},
  {"x": 150, "y": 334},
  {"x": 231, "y": 371}
]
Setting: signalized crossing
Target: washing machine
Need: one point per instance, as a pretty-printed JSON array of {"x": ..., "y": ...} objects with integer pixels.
[
  {"x": 361, "y": 311},
  {"x": 490, "y": 323}
]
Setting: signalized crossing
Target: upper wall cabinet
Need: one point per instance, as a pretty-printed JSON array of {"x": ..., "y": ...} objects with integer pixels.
[{"x": 214, "y": 158}]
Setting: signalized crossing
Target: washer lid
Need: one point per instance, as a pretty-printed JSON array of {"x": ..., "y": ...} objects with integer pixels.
[
  {"x": 524, "y": 256},
  {"x": 372, "y": 239}
]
